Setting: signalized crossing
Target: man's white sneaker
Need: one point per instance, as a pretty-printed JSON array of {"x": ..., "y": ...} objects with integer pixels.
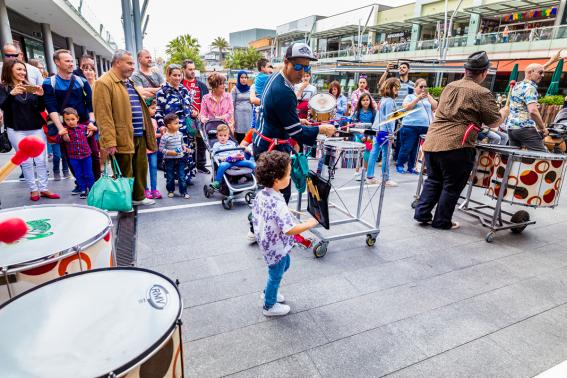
[
  {"x": 358, "y": 176},
  {"x": 251, "y": 237},
  {"x": 281, "y": 298},
  {"x": 277, "y": 310},
  {"x": 144, "y": 202}
]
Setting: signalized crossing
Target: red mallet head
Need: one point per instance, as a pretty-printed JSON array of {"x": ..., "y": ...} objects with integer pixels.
[
  {"x": 29, "y": 147},
  {"x": 512, "y": 84},
  {"x": 12, "y": 230}
]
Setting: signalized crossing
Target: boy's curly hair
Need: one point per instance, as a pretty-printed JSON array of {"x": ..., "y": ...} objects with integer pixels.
[{"x": 271, "y": 166}]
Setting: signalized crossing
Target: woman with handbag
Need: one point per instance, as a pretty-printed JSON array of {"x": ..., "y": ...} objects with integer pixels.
[
  {"x": 175, "y": 98},
  {"x": 22, "y": 105}
]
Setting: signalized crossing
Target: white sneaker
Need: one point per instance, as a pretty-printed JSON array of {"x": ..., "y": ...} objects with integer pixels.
[
  {"x": 251, "y": 237},
  {"x": 277, "y": 310},
  {"x": 144, "y": 202},
  {"x": 372, "y": 181},
  {"x": 391, "y": 184},
  {"x": 281, "y": 298},
  {"x": 358, "y": 176}
]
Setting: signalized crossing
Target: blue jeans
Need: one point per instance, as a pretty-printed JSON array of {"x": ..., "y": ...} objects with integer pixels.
[
  {"x": 152, "y": 164},
  {"x": 173, "y": 166},
  {"x": 409, "y": 144},
  {"x": 56, "y": 150},
  {"x": 226, "y": 165},
  {"x": 275, "y": 274},
  {"x": 384, "y": 150},
  {"x": 83, "y": 170}
]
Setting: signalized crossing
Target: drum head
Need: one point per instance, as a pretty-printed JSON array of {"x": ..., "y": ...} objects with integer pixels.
[
  {"x": 88, "y": 324},
  {"x": 323, "y": 103},
  {"x": 345, "y": 145},
  {"x": 53, "y": 229}
]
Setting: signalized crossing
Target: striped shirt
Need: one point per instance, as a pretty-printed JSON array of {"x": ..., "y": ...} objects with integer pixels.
[
  {"x": 137, "y": 115},
  {"x": 406, "y": 88},
  {"x": 171, "y": 142}
]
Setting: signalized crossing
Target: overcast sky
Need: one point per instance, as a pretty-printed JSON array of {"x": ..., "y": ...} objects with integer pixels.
[{"x": 208, "y": 19}]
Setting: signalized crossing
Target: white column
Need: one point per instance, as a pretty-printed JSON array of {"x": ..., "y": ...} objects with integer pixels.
[
  {"x": 71, "y": 46},
  {"x": 5, "y": 31},
  {"x": 48, "y": 47}
]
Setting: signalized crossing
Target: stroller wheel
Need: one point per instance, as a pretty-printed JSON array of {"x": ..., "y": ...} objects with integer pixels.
[
  {"x": 208, "y": 191},
  {"x": 227, "y": 203},
  {"x": 249, "y": 197}
]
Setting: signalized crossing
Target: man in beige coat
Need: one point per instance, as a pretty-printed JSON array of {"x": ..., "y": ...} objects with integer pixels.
[{"x": 124, "y": 123}]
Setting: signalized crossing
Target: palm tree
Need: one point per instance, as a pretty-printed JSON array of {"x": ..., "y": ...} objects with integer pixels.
[
  {"x": 221, "y": 44},
  {"x": 182, "y": 42}
]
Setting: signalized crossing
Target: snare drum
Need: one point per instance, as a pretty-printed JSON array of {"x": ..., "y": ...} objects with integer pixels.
[
  {"x": 323, "y": 107},
  {"x": 111, "y": 322},
  {"x": 61, "y": 239},
  {"x": 343, "y": 154},
  {"x": 534, "y": 178}
]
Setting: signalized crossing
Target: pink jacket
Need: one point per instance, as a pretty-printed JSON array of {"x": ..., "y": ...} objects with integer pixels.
[{"x": 223, "y": 109}]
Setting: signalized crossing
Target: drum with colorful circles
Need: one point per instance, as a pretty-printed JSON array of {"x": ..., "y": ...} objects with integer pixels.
[
  {"x": 61, "y": 239},
  {"x": 110, "y": 322},
  {"x": 534, "y": 178},
  {"x": 484, "y": 167}
]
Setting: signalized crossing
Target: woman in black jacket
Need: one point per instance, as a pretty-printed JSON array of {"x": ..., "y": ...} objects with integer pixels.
[{"x": 22, "y": 105}]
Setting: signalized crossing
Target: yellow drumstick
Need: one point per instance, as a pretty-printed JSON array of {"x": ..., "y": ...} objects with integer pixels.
[{"x": 6, "y": 169}]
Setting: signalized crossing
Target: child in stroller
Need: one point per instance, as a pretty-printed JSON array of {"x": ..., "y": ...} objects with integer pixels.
[{"x": 232, "y": 173}]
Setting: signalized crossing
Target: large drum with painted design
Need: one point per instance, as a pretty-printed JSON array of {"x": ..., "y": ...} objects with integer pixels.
[
  {"x": 61, "y": 239},
  {"x": 534, "y": 178},
  {"x": 486, "y": 153},
  {"x": 111, "y": 322}
]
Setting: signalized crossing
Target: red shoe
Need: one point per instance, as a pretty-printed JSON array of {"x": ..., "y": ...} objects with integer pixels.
[
  {"x": 50, "y": 195},
  {"x": 34, "y": 198}
]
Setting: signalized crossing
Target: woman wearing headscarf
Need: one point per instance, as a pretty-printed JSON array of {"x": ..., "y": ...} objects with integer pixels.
[{"x": 242, "y": 106}]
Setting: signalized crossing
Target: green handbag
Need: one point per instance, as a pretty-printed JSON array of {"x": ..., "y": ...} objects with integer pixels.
[{"x": 112, "y": 194}]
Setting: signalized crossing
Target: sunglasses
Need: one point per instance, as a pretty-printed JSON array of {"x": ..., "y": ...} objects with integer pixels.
[
  {"x": 423, "y": 86},
  {"x": 298, "y": 67},
  {"x": 11, "y": 55}
]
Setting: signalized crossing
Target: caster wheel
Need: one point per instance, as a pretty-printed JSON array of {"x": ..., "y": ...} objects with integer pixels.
[
  {"x": 414, "y": 204},
  {"x": 519, "y": 217},
  {"x": 320, "y": 250},
  {"x": 227, "y": 203},
  {"x": 370, "y": 240},
  {"x": 207, "y": 191},
  {"x": 490, "y": 237},
  {"x": 249, "y": 197}
]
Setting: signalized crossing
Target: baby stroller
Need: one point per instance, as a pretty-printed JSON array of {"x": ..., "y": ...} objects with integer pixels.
[{"x": 236, "y": 180}]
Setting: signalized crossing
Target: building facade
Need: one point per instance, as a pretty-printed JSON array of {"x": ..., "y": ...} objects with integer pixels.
[
  {"x": 241, "y": 39},
  {"x": 41, "y": 27}
]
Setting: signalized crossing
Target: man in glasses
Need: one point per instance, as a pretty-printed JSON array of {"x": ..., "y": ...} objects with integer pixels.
[
  {"x": 278, "y": 120},
  {"x": 12, "y": 52}
]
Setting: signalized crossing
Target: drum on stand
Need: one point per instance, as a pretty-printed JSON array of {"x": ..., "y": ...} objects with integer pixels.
[
  {"x": 534, "y": 178},
  {"x": 61, "y": 239},
  {"x": 111, "y": 322},
  {"x": 343, "y": 154},
  {"x": 323, "y": 107}
]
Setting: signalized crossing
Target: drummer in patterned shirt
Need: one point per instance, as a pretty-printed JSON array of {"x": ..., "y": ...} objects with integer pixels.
[{"x": 449, "y": 157}]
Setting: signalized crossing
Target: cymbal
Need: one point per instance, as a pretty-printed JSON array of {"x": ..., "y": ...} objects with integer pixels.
[{"x": 397, "y": 115}]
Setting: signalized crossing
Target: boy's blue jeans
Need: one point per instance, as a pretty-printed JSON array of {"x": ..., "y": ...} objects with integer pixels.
[
  {"x": 376, "y": 151},
  {"x": 152, "y": 164},
  {"x": 226, "y": 165},
  {"x": 173, "y": 166},
  {"x": 275, "y": 274},
  {"x": 83, "y": 169}
]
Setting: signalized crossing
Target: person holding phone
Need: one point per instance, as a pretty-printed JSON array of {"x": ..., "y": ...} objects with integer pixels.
[{"x": 22, "y": 105}]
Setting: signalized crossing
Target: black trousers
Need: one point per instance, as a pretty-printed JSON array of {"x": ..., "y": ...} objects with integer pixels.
[
  {"x": 527, "y": 137},
  {"x": 447, "y": 175}
]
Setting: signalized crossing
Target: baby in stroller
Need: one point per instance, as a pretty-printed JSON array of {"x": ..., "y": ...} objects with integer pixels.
[{"x": 232, "y": 173}]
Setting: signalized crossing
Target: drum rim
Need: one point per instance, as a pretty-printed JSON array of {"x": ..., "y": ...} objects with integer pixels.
[
  {"x": 348, "y": 145},
  {"x": 149, "y": 352},
  {"x": 518, "y": 152},
  {"x": 323, "y": 111},
  {"x": 58, "y": 255}
]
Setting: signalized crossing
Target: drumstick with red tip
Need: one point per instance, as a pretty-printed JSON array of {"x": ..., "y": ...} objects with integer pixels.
[
  {"x": 12, "y": 230},
  {"x": 29, "y": 147},
  {"x": 512, "y": 84}
]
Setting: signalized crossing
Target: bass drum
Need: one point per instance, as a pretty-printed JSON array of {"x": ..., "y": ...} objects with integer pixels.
[{"x": 113, "y": 322}]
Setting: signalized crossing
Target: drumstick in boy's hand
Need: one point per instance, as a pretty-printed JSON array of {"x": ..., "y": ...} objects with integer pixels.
[{"x": 29, "y": 147}]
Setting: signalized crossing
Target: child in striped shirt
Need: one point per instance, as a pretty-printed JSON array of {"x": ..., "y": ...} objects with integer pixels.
[{"x": 172, "y": 147}]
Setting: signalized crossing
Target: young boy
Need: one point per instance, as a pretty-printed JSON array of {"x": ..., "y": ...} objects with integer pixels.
[
  {"x": 257, "y": 89},
  {"x": 172, "y": 147},
  {"x": 232, "y": 158},
  {"x": 78, "y": 149},
  {"x": 274, "y": 225}
]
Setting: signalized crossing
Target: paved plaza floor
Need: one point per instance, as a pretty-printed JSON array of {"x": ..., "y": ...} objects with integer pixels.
[{"x": 420, "y": 303}]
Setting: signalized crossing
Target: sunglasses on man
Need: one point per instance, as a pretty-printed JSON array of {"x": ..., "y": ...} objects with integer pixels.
[
  {"x": 298, "y": 67},
  {"x": 11, "y": 55}
]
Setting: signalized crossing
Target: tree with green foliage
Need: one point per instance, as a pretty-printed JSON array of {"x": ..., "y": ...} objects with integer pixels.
[
  {"x": 184, "y": 47},
  {"x": 242, "y": 59},
  {"x": 221, "y": 44}
]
